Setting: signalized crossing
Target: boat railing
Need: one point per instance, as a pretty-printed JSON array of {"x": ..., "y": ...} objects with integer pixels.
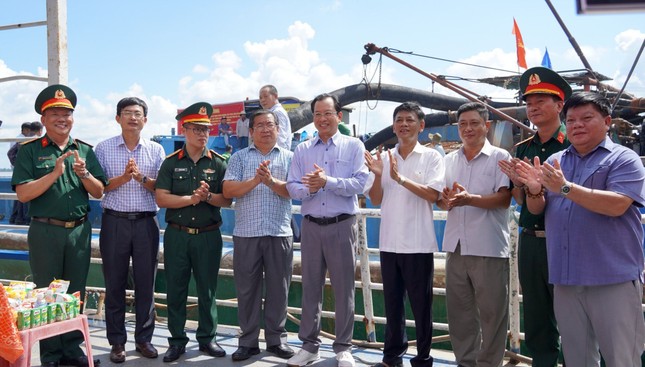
[{"x": 366, "y": 284}]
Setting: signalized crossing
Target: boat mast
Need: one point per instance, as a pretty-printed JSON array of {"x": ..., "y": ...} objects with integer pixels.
[{"x": 57, "y": 62}]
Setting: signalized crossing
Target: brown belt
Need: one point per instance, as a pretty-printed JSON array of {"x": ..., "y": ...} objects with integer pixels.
[
  {"x": 538, "y": 234},
  {"x": 61, "y": 223},
  {"x": 191, "y": 230}
]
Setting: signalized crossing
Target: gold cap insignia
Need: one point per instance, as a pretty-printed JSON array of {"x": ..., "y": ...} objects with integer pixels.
[
  {"x": 59, "y": 94},
  {"x": 202, "y": 111},
  {"x": 534, "y": 79}
]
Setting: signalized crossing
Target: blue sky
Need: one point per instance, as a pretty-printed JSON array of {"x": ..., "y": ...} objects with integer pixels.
[{"x": 175, "y": 53}]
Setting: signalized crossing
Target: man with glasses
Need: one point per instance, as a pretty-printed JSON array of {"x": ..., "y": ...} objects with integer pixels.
[
  {"x": 129, "y": 229},
  {"x": 189, "y": 185},
  {"x": 327, "y": 174},
  {"x": 56, "y": 173},
  {"x": 269, "y": 101},
  {"x": 257, "y": 178}
]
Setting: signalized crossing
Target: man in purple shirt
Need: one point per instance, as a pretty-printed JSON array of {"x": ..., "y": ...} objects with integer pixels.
[
  {"x": 327, "y": 173},
  {"x": 590, "y": 194}
]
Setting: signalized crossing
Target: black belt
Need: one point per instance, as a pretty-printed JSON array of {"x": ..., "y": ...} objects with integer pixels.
[
  {"x": 538, "y": 234},
  {"x": 129, "y": 215},
  {"x": 61, "y": 223},
  {"x": 326, "y": 221},
  {"x": 191, "y": 230}
]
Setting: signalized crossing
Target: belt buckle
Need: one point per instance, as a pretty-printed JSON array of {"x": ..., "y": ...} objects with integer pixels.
[
  {"x": 540, "y": 233},
  {"x": 192, "y": 230},
  {"x": 132, "y": 216},
  {"x": 70, "y": 224}
]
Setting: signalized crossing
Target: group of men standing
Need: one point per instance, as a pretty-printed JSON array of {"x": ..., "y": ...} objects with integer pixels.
[{"x": 581, "y": 257}]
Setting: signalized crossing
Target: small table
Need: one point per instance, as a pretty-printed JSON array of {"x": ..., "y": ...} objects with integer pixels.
[{"x": 31, "y": 336}]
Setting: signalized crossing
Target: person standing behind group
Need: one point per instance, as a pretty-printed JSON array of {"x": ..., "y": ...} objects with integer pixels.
[
  {"x": 189, "y": 185},
  {"x": 129, "y": 228},
  {"x": 327, "y": 174},
  {"x": 242, "y": 131},
  {"x": 19, "y": 212},
  {"x": 224, "y": 129},
  {"x": 435, "y": 143},
  {"x": 56, "y": 173},
  {"x": 476, "y": 239},
  {"x": 406, "y": 182},
  {"x": 544, "y": 92},
  {"x": 269, "y": 101},
  {"x": 591, "y": 193},
  {"x": 262, "y": 237}
]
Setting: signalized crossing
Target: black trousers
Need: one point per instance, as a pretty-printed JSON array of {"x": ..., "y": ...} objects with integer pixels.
[
  {"x": 411, "y": 274},
  {"x": 123, "y": 239}
]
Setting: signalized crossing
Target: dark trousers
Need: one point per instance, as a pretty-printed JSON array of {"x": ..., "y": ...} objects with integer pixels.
[
  {"x": 19, "y": 213},
  {"x": 60, "y": 253},
  {"x": 200, "y": 254},
  {"x": 122, "y": 239},
  {"x": 540, "y": 326},
  {"x": 411, "y": 274}
]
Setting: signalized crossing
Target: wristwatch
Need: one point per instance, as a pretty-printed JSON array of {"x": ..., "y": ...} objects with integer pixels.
[
  {"x": 144, "y": 179},
  {"x": 565, "y": 189},
  {"x": 401, "y": 180},
  {"x": 85, "y": 175}
]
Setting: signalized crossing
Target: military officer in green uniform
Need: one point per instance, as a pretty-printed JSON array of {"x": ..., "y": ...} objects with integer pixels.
[
  {"x": 544, "y": 92},
  {"x": 189, "y": 185},
  {"x": 55, "y": 174}
]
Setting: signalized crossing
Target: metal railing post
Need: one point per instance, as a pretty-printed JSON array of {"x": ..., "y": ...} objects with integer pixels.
[
  {"x": 366, "y": 278},
  {"x": 514, "y": 287}
]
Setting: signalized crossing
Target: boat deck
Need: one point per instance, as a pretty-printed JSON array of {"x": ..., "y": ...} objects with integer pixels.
[{"x": 227, "y": 338}]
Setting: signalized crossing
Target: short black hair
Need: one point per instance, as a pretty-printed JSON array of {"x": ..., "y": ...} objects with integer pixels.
[
  {"x": 320, "y": 97},
  {"x": 261, "y": 112},
  {"x": 412, "y": 107},
  {"x": 600, "y": 102},
  {"x": 473, "y": 106},
  {"x": 131, "y": 101}
]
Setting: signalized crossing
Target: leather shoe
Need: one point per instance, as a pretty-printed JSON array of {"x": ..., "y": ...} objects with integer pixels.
[
  {"x": 213, "y": 349},
  {"x": 173, "y": 353},
  {"x": 243, "y": 353},
  {"x": 146, "y": 349},
  {"x": 281, "y": 350},
  {"x": 78, "y": 361},
  {"x": 49, "y": 364},
  {"x": 117, "y": 354}
]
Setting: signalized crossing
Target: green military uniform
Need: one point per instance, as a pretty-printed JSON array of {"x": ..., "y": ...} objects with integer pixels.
[
  {"x": 197, "y": 245},
  {"x": 540, "y": 326},
  {"x": 58, "y": 250}
]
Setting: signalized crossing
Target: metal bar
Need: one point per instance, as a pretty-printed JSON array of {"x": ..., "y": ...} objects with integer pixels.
[
  {"x": 57, "y": 63},
  {"x": 23, "y": 25},
  {"x": 572, "y": 40},
  {"x": 366, "y": 279},
  {"x": 372, "y": 48},
  {"x": 23, "y": 77}
]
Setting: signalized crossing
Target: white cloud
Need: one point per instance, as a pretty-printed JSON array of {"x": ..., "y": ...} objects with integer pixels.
[{"x": 631, "y": 38}]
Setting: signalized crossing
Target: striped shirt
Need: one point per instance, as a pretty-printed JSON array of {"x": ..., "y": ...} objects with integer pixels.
[
  {"x": 113, "y": 155},
  {"x": 261, "y": 212}
]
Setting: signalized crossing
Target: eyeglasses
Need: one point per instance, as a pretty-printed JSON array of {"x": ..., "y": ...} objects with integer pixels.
[
  {"x": 137, "y": 115},
  {"x": 198, "y": 130},
  {"x": 327, "y": 114},
  {"x": 269, "y": 126}
]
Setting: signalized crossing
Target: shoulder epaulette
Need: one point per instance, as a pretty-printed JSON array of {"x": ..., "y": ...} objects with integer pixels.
[
  {"x": 29, "y": 141},
  {"x": 173, "y": 153},
  {"x": 524, "y": 141},
  {"x": 217, "y": 154},
  {"x": 82, "y": 142}
]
